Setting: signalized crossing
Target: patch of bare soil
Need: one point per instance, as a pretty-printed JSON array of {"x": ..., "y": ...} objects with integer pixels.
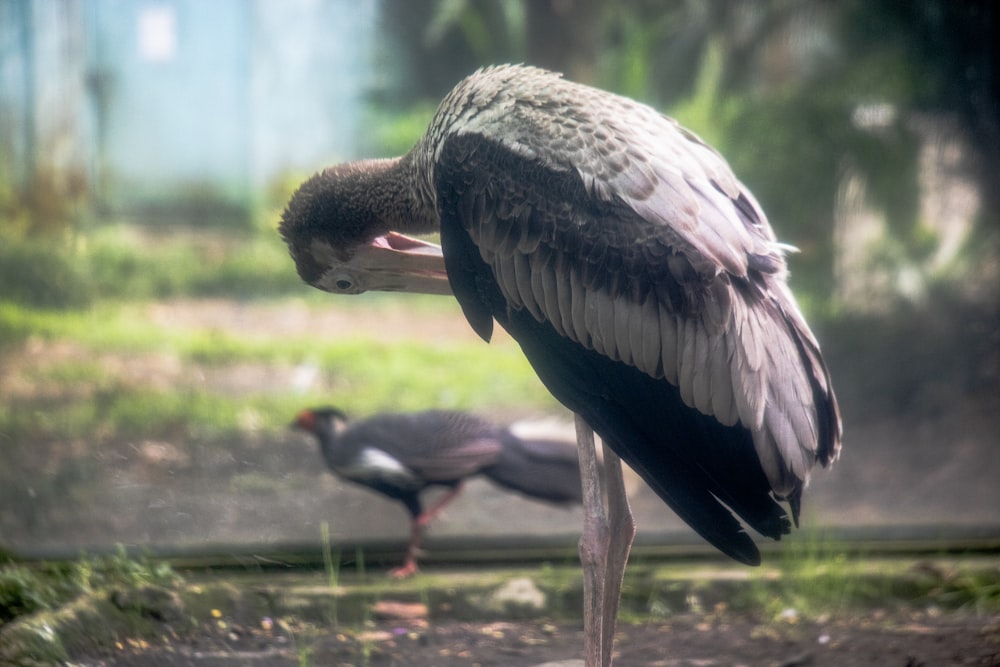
[{"x": 911, "y": 640}]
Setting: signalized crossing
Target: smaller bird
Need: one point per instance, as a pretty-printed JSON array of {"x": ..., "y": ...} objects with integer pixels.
[{"x": 402, "y": 454}]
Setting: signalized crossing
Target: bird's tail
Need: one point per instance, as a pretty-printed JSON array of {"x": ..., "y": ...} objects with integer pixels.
[{"x": 546, "y": 469}]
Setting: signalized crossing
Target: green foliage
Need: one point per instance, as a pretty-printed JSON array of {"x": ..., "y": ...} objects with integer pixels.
[
  {"x": 974, "y": 591},
  {"x": 118, "y": 413},
  {"x": 632, "y": 61},
  {"x": 395, "y": 132},
  {"x": 42, "y": 272},
  {"x": 29, "y": 588},
  {"x": 117, "y": 262},
  {"x": 124, "y": 264},
  {"x": 25, "y": 590},
  {"x": 121, "y": 569},
  {"x": 493, "y": 31},
  {"x": 701, "y": 111},
  {"x": 816, "y": 577}
]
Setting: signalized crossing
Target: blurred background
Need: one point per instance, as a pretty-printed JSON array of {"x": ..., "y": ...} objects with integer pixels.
[{"x": 155, "y": 342}]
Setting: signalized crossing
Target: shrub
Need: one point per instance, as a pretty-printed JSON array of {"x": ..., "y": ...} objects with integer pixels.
[{"x": 44, "y": 273}]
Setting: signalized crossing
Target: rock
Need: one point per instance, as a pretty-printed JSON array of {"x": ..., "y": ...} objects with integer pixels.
[
  {"x": 159, "y": 604},
  {"x": 518, "y": 597}
]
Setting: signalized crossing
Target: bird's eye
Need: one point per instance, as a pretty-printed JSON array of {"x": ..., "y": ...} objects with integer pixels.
[{"x": 341, "y": 282}]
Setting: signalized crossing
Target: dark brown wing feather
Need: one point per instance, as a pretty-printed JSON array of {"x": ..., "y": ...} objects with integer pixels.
[{"x": 695, "y": 376}]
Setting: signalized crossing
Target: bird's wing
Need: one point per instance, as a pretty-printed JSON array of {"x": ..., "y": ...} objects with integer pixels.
[
  {"x": 465, "y": 459},
  {"x": 633, "y": 238},
  {"x": 438, "y": 446},
  {"x": 375, "y": 467}
]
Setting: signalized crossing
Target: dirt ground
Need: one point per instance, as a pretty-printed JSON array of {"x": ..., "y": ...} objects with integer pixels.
[{"x": 913, "y": 640}]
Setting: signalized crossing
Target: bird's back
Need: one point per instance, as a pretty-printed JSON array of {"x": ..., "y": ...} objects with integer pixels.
[{"x": 435, "y": 446}]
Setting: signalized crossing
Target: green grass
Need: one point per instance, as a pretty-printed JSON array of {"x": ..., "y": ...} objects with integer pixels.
[
  {"x": 202, "y": 417},
  {"x": 29, "y": 588},
  {"x": 812, "y": 580},
  {"x": 115, "y": 261},
  {"x": 816, "y": 577},
  {"x": 366, "y": 375}
]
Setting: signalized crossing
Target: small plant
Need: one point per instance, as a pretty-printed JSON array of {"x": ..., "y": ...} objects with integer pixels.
[
  {"x": 367, "y": 642},
  {"x": 25, "y": 590},
  {"x": 972, "y": 590},
  {"x": 816, "y": 577},
  {"x": 305, "y": 655},
  {"x": 121, "y": 569},
  {"x": 331, "y": 559},
  {"x": 331, "y": 563}
]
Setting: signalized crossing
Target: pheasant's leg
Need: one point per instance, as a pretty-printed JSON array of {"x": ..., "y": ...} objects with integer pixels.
[
  {"x": 428, "y": 516},
  {"x": 417, "y": 528}
]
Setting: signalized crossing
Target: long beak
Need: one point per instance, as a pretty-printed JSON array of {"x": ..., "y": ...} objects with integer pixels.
[{"x": 390, "y": 263}]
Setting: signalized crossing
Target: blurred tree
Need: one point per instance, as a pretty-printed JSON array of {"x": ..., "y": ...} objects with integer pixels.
[
  {"x": 431, "y": 44},
  {"x": 804, "y": 97},
  {"x": 564, "y": 35}
]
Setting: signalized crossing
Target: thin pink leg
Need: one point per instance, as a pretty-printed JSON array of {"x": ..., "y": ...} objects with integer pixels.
[
  {"x": 417, "y": 527},
  {"x": 593, "y": 546},
  {"x": 621, "y": 531}
]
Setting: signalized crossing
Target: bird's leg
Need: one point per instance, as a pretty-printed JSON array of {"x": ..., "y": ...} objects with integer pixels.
[
  {"x": 593, "y": 548},
  {"x": 621, "y": 531},
  {"x": 417, "y": 528},
  {"x": 409, "y": 566},
  {"x": 428, "y": 516}
]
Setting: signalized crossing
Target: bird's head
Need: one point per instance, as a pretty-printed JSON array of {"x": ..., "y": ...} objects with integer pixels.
[
  {"x": 339, "y": 230},
  {"x": 315, "y": 420}
]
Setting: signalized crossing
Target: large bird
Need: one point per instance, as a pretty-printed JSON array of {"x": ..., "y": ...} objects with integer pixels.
[
  {"x": 402, "y": 454},
  {"x": 640, "y": 278}
]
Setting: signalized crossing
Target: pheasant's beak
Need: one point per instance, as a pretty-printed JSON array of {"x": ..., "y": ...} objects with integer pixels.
[{"x": 390, "y": 263}]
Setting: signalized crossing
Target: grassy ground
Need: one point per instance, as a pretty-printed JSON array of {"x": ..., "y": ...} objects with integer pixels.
[{"x": 117, "y": 610}]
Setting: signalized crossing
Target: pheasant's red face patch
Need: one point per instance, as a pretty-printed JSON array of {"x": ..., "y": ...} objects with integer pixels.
[{"x": 305, "y": 420}]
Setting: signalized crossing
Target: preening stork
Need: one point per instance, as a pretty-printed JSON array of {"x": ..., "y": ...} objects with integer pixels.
[{"x": 640, "y": 278}]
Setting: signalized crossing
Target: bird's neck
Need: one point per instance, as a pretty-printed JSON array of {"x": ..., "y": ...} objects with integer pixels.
[
  {"x": 396, "y": 193},
  {"x": 329, "y": 445}
]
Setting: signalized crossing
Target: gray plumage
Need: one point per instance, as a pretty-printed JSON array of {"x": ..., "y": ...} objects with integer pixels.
[
  {"x": 402, "y": 454},
  {"x": 614, "y": 245}
]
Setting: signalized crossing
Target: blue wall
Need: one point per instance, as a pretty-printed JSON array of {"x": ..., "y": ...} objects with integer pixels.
[
  {"x": 45, "y": 143},
  {"x": 179, "y": 106}
]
